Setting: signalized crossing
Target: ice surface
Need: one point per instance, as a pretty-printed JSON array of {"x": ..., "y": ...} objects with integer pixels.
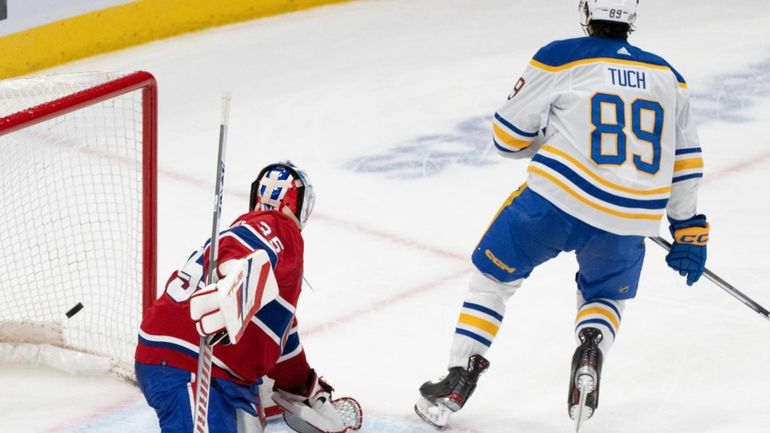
[{"x": 386, "y": 105}]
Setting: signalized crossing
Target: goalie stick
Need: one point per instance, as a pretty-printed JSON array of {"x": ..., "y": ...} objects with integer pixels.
[
  {"x": 724, "y": 285},
  {"x": 205, "y": 349}
]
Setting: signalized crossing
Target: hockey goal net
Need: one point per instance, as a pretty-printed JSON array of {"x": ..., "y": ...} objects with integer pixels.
[{"x": 78, "y": 207}]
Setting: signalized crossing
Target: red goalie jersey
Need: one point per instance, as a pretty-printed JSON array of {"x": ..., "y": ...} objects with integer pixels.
[{"x": 270, "y": 344}]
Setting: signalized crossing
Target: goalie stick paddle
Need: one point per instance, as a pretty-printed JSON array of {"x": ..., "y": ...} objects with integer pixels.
[
  {"x": 205, "y": 349},
  {"x": 724, "y": 285}
]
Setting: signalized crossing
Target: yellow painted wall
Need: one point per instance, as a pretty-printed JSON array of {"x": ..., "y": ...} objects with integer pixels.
[{"x": 128, "y": 25}]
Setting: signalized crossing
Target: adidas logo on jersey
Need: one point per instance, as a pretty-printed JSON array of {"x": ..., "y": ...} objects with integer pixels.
[{"x": 623, "y": 51}]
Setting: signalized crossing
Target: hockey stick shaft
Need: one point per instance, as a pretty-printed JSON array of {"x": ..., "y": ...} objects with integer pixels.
[
  {"x": 206, "y": 350},
  {"x": 211, "y": 276},
  {"x": 724, "y": 285}
]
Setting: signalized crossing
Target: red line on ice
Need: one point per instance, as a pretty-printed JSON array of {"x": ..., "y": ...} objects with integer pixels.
[
  {"x": 395, "y": 238},
  {"x": 347, "y": 224},
  {"x": 379, "y": 305},
  {"x": 737, "y": 168}
]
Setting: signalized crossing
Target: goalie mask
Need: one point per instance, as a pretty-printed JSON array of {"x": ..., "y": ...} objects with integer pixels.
[
  {"x": 620, "y": 11},
  {"x": 283, "y": 187}
]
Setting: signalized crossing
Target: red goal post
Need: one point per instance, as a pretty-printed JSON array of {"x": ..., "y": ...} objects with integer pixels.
[{"x": 78, "y": 172}]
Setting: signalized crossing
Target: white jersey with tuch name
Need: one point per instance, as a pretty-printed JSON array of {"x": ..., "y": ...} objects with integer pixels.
[{"x": 611, "y": 131}]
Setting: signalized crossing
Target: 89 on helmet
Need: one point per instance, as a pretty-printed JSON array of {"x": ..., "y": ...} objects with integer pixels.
[
  {"x": 283, "y": 187},
  {"x": 621, "y": 11}
]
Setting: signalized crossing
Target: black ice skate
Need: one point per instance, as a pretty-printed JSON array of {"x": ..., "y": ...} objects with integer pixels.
[
  {"x": 438, "y": 400},
  {"x": 585, "y": 377}
]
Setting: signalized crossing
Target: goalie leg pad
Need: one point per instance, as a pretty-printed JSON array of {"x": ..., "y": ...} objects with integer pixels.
[{"x": 248, "y": 423}]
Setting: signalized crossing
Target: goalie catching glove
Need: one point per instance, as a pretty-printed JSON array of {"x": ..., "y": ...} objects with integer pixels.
[{"x": 311, "y": 408}]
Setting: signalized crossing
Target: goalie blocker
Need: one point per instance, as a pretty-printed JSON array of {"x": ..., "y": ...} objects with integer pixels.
[{"x": 222, "y": 310}]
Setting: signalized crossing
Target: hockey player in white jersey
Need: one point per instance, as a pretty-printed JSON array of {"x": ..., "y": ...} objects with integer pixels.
[{"x": 613, "y": 150}]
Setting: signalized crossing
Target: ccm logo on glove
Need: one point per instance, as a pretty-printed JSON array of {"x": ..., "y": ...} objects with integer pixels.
[{"x": 693, "y": 235}]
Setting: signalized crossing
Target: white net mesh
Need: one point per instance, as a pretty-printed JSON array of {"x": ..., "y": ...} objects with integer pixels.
[{"x": 71, "y": 204}]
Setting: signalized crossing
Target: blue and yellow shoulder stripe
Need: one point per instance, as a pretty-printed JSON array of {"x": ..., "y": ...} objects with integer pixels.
[{"x": 570, "y": 53}]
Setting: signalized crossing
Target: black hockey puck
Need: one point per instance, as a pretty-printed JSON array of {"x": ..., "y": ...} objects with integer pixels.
[{"x": 74, "y": 310}]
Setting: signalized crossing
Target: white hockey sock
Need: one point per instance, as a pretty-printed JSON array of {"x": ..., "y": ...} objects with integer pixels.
[
  {"x": 480, "y": 317},
  {"x": 602, "y": 314}
]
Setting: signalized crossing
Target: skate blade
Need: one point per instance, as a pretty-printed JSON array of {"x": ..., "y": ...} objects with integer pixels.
[
  {"x": 448, "y": 403},
  {"x": 432, "y": 413},
  {"x": 587, "y": 412},
  {"x": 580, "y": 413}
]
